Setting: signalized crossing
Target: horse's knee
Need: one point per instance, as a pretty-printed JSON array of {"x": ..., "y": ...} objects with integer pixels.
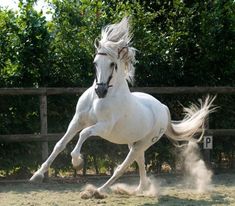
[
  {"x": 77, "y": 161},
  {"x": 59, "y": 147}
]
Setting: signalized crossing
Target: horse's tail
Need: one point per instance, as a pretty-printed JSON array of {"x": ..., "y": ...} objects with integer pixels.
[{"x": 193, "y": 122}]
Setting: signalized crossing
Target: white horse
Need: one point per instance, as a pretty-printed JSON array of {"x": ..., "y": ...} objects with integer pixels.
[{"x": 108, "y": 109}]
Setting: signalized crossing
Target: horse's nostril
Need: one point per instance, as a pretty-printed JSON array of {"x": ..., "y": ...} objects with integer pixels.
[{"x": 101, "y": 90}]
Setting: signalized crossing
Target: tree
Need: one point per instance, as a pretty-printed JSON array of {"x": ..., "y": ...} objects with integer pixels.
[{"x": 26, "y": 61}]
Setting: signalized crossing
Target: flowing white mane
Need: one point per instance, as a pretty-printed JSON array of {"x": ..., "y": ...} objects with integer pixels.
[{"x": 115, "y": 37}]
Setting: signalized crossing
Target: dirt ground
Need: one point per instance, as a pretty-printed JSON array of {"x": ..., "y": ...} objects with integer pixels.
[{"x": 173, "y": 191}]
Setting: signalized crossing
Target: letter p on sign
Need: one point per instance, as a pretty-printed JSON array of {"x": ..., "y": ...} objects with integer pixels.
[{"x": 208, "y": 142}]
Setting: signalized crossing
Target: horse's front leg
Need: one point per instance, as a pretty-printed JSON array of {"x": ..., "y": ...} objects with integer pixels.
[
  {"x": 98, "y": 129},
  {"x": 75, "y": 125}
]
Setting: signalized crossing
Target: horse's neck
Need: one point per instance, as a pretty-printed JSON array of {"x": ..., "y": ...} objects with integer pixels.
[{"x": 121, "y": 87}]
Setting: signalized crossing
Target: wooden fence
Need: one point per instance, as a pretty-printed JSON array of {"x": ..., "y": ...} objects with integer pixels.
[{"x": 43, "y": 93}]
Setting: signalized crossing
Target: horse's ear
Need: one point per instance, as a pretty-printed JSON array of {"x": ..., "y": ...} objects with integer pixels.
[
  {"x": 123, "y": 53},
  {"x": 97, "y": 43}
]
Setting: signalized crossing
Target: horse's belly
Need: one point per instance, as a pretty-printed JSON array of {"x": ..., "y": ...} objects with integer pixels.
[
  {"x": 119, "y": 136},
  {"x": 134, "y": 128}
]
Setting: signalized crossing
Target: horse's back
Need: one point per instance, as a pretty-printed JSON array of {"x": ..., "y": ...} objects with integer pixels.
[{"x": 147, "y": 100}]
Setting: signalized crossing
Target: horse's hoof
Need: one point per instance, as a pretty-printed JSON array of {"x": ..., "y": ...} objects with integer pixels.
[
  {"x": 90, "y": 192},
  {"x": 86, "y": 194},
  {"x": 77, "y": 163},
  {"x": 37, "y": 178},
  {"x": 99, "y": 195}
]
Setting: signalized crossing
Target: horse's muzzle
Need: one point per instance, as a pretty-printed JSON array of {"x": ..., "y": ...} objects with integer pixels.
[{"x": 101, "y": 89}]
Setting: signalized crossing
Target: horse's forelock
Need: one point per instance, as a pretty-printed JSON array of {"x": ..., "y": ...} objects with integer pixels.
[{"x": 115, "y": 37}]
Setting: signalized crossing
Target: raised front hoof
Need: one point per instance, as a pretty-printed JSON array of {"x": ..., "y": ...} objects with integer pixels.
[
  {"x": 37, "y": 178},
  {"x": 91, "y": 192},
  {"x": 78, "y": 163}
]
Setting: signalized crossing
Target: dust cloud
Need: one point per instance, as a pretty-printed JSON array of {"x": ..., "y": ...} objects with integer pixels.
[
  {"x": 198, "y": 176},
  {"x": 152, "y": 190}
]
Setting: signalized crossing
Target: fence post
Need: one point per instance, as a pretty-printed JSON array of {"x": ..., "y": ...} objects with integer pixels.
[{"x": 43, "y": 130}]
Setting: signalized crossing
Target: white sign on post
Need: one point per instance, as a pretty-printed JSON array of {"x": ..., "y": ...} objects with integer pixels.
[{"x": 208, "y": 142}]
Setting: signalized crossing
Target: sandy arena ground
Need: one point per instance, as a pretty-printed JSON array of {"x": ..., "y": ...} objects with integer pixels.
[{"x": 172, "y": 191}]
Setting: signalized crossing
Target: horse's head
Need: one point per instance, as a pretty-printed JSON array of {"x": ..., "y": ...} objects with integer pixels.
[
  {"x": 104, "y": 67},
  {"x": 114, "y": 57}
]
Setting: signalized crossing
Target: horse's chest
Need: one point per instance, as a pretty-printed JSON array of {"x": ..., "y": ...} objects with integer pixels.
[
  {"x": 103, "y": 110},
  {"x": 106, "y": 110}
]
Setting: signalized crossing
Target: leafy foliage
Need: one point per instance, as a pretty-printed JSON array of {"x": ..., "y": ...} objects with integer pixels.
[{"x": 25, "y": 53}]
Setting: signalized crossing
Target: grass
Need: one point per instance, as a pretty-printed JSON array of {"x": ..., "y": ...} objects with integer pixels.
[{"x": 173, "y": 192}]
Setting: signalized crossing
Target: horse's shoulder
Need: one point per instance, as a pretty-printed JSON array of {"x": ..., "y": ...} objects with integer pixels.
[{"x": 85, "y": 100}]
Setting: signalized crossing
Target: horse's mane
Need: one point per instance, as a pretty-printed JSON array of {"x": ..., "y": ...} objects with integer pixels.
[{"x": 114, "y": 37}]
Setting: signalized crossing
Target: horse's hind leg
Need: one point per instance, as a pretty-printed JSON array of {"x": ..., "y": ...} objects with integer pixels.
[
  {"x": 144, "y": 182},
  {"x": 131, "y": 157},
  {"x": 136, "y": 153},
  {"x": 73, "y": 128}
]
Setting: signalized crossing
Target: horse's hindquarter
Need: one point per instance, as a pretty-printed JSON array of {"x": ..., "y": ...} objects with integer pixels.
[
  {"x": 158, "y": 110},
  {"x": 136, "y": 117}
]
